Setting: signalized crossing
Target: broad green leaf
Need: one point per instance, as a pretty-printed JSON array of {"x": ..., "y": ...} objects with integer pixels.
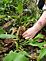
[
  {"x": 35, "y": 43},
  {"x": 2, "y": 31},
  {"x": 39, "y": 36},
  {"x": 6, "y": 36},
  {"x": 9, "y": 57},
  {"x": 42, "y": 54},
  {"x": 14, "y": 56}
]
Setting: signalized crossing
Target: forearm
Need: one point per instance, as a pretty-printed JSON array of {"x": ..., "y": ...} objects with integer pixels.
[{"x": 41, "y": 22}]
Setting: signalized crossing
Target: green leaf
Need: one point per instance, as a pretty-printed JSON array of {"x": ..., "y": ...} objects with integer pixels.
[
  {"x": 42, "y": 54},
  {"x": 39, "y": 36},
  {"x": 3, "y": 36},
  {"x": 35, "y": 43},
  {"x": 20, "y": 7},
  {"x": 2, "y": 31},
  {"x": 14, "y": 17},
  {"x": 2, "y": 16},
  {"x": 9, "y": 57},
  {"x": 14, "y": 56},
  {"x": 6, "y": 1}
]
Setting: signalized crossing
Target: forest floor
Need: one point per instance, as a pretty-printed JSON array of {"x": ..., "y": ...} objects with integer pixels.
[{"x": 16, "y": 16}]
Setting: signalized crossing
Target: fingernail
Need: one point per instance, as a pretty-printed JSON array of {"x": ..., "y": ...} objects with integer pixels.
[
  {"x": 26, "y": 37},
  {"x": 30, "y": 38}
]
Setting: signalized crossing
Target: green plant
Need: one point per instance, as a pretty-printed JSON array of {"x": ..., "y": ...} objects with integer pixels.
[
  {"x": 14, "y": 56},
  {"x": 42, "y": 54},
  {"x": 19, "y": 13}
]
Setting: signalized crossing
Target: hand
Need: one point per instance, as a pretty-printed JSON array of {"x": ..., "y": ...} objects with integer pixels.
[{"x": 30, "y": 33}]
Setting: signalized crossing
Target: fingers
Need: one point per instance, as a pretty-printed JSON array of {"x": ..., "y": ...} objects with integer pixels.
[
  {"x": 26, "y": 35},
  {"x": 30, "y": 37},
  {"x": 27, "y": 38},
  {"x": 26, "y": 32}
]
